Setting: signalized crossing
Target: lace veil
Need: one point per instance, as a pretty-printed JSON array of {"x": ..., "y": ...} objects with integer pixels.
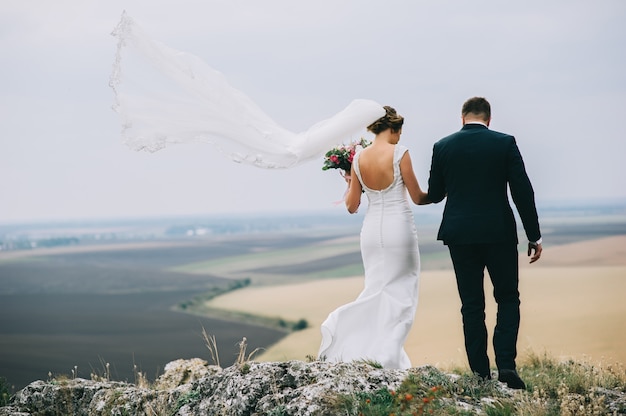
[{"x": 164, "y": 96}]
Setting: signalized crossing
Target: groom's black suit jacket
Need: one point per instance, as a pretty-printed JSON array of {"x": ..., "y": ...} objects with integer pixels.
[{"x": 473, "y": 167}]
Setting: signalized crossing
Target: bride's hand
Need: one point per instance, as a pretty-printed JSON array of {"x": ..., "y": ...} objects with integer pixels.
[{"x": 346, "y": 176}]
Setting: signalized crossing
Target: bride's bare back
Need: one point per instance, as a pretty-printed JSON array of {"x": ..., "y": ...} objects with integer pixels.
[{"x": 376, "y": 165}]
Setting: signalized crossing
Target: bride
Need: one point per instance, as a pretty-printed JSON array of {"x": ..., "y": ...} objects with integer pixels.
[
  {"x": 164, "y": 96},
  {"x": 375, "y": 325}
]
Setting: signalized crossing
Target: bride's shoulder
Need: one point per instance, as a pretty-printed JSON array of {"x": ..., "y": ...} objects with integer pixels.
[{"x": 400, "y": 150}]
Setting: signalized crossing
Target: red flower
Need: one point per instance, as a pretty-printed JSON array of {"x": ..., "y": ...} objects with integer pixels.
[{"x": 341, "y": 157}]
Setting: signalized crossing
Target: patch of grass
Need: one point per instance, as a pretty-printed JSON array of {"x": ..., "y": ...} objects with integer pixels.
[
  {"x": 348, "y": 270},
  {"x": 242, "y": 358},
  {"x": 372, "y": 363},
  {"x": 500, "y": 409},
  {"x": 6, "y": 391},
  {"x": 541, "y": 372},
  {"x": 426, "y": 390},
  {"x": 244, "y": 317},
  {"x": 233, "y": 266},
  {"x": 389, "y": 402},
  {"x": 555, "y": 388},
  {"x": 187, "y": 398},
  {"x": 211, "y": 343},
  {"x": 278, "y": 411},
  {"x": 570, "y": 387},
  {"x": 213, "y": 292},
  {"x": 198, "y": 306}
]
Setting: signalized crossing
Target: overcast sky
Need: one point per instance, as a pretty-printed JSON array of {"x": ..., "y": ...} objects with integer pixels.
[{"x": 554, "y": 72}]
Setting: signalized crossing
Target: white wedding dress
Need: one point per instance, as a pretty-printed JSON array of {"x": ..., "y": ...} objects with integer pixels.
[
  {"x": 375, "y": 325},
  {"x": 164, "y": 96}
]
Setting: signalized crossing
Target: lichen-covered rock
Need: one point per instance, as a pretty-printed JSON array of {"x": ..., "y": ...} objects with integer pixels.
[
  {"x": 12, "y": 411},
  {"x": 192, "y": 387},
  {"x": 181, "y": 372},
  {"x": 66, "y": 397},
  {"x": 295, "y": 387}
]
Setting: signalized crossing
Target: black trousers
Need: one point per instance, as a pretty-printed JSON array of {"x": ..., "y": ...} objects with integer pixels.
[{"x": 501, "y": 261}]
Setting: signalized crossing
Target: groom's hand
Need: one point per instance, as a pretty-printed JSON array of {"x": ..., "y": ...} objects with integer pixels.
[{"x": 534, "y": 250}]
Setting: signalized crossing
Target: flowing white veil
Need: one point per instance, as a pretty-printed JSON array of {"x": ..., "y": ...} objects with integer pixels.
[{"x": 165, "y": 96}]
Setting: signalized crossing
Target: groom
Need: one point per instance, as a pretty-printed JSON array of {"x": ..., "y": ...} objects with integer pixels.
[{"x": 473, "y": 168}]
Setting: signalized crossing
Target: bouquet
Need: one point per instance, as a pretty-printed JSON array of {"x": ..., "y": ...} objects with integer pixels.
[{"x": 340, "y": 157}]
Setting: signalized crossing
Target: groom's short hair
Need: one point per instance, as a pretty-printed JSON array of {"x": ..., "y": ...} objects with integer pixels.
[{"x": 477, "y": 106}]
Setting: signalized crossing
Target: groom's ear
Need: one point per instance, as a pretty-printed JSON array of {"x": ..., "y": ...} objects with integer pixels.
[{"x": 488, "y": 121}]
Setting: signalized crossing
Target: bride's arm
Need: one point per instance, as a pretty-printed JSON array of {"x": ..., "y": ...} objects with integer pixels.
[
  {"x": 353, "y": 197},
  {"x": 418, "y": 196}
]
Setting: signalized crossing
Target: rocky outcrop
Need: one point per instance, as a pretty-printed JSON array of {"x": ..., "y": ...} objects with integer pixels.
[
  {"x": 192, "y": 387},
  {"x": 290, "y": 388}
]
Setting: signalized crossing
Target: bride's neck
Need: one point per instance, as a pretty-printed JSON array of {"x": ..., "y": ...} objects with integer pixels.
[{"x": 383, "y": 137}]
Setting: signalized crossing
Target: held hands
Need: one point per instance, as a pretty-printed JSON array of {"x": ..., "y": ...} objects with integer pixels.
[{"x": 534, "y": 250}]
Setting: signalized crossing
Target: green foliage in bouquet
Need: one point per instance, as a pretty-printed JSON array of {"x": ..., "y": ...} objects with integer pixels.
[{"x": 341, "y": 157}]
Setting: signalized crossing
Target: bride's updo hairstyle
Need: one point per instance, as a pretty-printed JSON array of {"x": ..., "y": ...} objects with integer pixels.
[{"x": 391, "y": 120}]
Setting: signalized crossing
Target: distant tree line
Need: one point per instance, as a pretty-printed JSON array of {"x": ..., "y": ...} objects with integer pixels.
[
  {"x": 60, "y": 241},
  {"x": 45, "y": 242}
]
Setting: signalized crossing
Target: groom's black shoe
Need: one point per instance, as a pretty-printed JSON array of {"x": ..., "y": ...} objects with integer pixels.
[
  {"x": 484, "y": 377},
  {"x": 512, "y": 379}
]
